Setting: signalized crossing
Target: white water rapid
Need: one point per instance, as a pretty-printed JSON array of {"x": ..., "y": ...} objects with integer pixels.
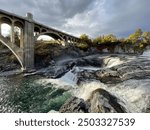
[{"x": 133, "y": 94}]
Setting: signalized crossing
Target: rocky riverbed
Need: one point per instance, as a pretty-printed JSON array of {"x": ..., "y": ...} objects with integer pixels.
[
  {"x": 122, "y": 84},
  {"x": 103, "y": 83},
  {"x": 97, "y": 83}
]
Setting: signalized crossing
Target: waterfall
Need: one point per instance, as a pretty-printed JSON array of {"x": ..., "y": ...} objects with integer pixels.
[
  {"x": 86, "y": 89},
  {"x": 70, "y": 77},
  {"x": 112, "y": 61},
  {"x": 67, "y": 81},
  {"x": 146, "y": 53}
]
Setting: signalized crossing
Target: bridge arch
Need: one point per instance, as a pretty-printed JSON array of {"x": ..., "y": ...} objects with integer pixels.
[
  {"x": 51, "y": 34},
  {"x": 19, "y": 24},
  {"x": 5, "y": 26},
  {"x": 36, "y": 30},
  {"x": 31, "y": 31},
  {"x": 5, "y": 19},
  {"x": 18, "y": 36},
  {"x": 43, "y": 30},
  {"x": 12, "y": 50}
]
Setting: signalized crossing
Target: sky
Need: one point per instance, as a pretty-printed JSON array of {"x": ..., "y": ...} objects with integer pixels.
[{"x": 91, "y": 17}]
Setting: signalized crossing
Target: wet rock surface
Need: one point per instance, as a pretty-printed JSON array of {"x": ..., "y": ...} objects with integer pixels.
[
  {"x": 126, "y": 80},
  {"x": 100, "y": 101},
  {"x": 74, "y": 105},
  {"x": 130, "y": 81},
  {"x": 134, "y": 69}
]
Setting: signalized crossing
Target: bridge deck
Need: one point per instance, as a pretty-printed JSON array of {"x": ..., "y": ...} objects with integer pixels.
[{"x": 36, "y": 23}]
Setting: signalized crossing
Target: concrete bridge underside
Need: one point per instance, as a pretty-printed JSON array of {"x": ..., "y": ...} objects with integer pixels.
[{"x": 29, "y": 31}]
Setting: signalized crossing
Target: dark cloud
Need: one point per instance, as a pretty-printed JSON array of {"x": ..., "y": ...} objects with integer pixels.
[
  {"x": 94, "y": 17},
  {"x": 128, "y": 16}
]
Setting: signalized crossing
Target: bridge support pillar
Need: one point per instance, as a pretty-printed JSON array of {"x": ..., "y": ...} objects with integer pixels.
[
  {"x": 12, "y": 33},
  {"x": 0, "y": 28},
  {"x": 66, "y": 40},
  {"x": 28, "y": 45},
  {"x": 21, "y": 39}
]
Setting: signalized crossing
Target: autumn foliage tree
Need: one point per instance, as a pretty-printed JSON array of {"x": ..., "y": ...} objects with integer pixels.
[
  {"x": 110, "y": 38},
  {"x": 136, "y": 41},
  {"x": 135, "y": 37},
  {"x": 85, "y": 39},
  {"x": 146, "y": 37}
]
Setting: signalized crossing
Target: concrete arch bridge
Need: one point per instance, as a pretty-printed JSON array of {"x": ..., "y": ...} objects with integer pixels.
[{"x": 29, "y": 31}]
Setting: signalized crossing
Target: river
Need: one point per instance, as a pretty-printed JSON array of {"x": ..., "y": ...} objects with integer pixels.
[
  {"x": 24, "y": 94},
  {"x": 38, "y": 94}
]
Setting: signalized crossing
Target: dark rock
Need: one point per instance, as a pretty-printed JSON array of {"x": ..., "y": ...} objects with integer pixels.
[
  {"x": 100, "y": 101},
  {"x": 108, "y": 76},
  {"x": 96, "y": 62},
  {"x": 135, "y": 69},
  {"x": 74, "y": 105}
]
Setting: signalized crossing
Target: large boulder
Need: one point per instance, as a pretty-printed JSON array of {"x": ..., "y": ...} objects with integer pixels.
[
  {"x": 74, "y": 105},
  {"x": 100, "y": 101}
]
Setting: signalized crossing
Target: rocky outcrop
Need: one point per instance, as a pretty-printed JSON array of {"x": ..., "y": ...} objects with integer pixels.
[
  {"x": 100, "y": 101},
  {"x": 128, "y": 79},
  {"x": 74, "y": 105},
  {"x": 58, "y": 68},
  {"x": 138, "y": 68},
  {"x": 45, "y": 52},
  {"x": 123, "y": 75}
]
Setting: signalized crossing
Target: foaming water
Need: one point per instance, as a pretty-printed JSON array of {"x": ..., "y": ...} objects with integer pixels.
[
  {"x": 112, "y": 61},
  {"x": 134, "y": 94},
  {"x": 68, "y": 81},
  {"x": 86, "y": 89},
  {"x": 38, "y": 94},
  {"x": 89, "y": 68},
  {"x": 70, "y": 77},
  {"x": 146, "y": 54}
]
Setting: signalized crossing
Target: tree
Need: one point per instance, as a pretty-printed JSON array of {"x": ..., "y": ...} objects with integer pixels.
[
  {"x": 136, "y": 37},
  {"x": 85, "y": 39},
  {"x": 97, "y": 40},
  {"x": 146, "y": 37},
  {"x": 138, "y": 32},
  {"x": 110, "y": 38},
  {"x": 105, "y": 39}
]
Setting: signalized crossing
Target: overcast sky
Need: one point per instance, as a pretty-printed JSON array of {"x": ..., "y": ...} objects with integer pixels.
[{"x": 93, "y": 17}]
